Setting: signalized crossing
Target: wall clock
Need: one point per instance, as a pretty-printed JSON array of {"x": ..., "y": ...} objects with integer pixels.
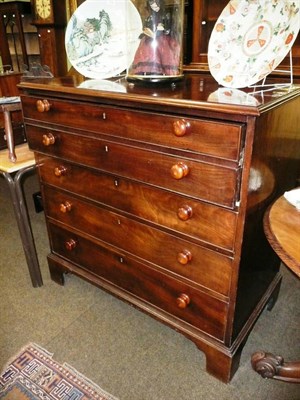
[{"x": 49, "y": 17}]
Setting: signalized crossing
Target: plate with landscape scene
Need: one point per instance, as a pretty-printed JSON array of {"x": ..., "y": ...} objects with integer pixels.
[{"x": 102, "y": 37}]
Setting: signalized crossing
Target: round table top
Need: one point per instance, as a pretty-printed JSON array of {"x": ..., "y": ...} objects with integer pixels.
[{"x": 282, "y": 229}]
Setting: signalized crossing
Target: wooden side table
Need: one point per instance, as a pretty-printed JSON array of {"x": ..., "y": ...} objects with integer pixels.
[{"x": 282, "y": 229}]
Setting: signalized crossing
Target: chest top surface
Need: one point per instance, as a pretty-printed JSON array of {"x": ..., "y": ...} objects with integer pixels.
[{"x": 196, "y": 94}]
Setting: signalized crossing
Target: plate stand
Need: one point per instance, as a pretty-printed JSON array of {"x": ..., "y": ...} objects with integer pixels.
[{"x": 289, "y": 72}]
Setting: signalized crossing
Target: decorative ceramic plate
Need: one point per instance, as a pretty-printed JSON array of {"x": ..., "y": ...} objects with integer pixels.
[
  {"x": 102, "y": 37},
  {"x": 250, "y": 39}
]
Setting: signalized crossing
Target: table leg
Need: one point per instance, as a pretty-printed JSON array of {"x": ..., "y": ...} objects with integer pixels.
[
  {"x": 270, "y": 366},
  {"x": 21, "y": 213},
  {"x": 9, "y": 136}
]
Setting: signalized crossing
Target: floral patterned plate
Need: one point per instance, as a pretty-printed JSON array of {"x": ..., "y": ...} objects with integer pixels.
[
  {"x": 250, "y": 39},
  {"x": 102, "y": 37}
]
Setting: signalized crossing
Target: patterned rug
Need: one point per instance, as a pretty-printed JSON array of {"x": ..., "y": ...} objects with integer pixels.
[{"x": 33, "y": 375}]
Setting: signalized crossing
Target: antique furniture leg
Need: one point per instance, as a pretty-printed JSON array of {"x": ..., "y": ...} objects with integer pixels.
[
  {"x": 270, "y": 366},
  {"x": 220, "y": 362},
  {"x": 56, "y": 272},
  {"x": 21, "y": 213},
  {"x": 9, "y": 135},
  {"x": 7, "y": 109}
]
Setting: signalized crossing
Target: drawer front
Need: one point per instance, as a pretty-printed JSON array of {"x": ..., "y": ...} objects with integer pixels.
[
  {"x": 198, "y": 264},
  {"x": 204, "y": 312},
  {"x": 195, "y": 219},
  {"x": 205, "y": 181},
  {"x": 216, "y": 139}
]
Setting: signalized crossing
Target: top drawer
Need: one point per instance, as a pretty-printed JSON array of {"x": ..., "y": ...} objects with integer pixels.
[{"x": 217, "y": 139}]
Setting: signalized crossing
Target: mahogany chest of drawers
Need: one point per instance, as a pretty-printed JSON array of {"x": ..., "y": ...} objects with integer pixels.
[{"x": 157, "y": 196}]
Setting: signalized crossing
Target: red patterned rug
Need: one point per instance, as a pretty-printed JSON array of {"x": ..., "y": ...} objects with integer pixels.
[{"x": 33, "y": 375}]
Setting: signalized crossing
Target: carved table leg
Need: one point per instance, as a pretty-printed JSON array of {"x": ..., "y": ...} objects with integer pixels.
[{"x": 271, "y": 366}]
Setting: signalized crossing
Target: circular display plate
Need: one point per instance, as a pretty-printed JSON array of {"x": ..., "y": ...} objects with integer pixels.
[
  {"x": 250, "y": 39},
  {"x": 102, "y": 37}
]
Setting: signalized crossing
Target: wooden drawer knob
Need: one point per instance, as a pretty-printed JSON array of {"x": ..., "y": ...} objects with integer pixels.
[
  {"x": 43, "y": 106},
  {"x": 48, "y": 139},
  {"x": 70, "y": 244},
  {"x": 185, "y": 212},
  {"x": 184, "y": 257},
  {"x": 60, "y": 171},
  {"x": 179, "y": 170},
  {"x": 65, "y": 207},
  {"x": 181, "y": 127},
  {"x": 183, "y": 300}
]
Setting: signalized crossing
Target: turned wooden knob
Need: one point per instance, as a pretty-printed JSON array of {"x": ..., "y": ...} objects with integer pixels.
[
  {"x": 179, "y": 170},
  {"x": 65, "y": 207},
  {"x": 181, "y": 127},
  {"x": 60, "y": 171},
  {"x": 43, "y": 105},
  {"x": 70, "y": 244},
  {"x": 48, "y": 139},
  {"x": 184, "y": 257},
  {"x": 183, "y": 300},
  {"x": 185, "y": 212}
]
